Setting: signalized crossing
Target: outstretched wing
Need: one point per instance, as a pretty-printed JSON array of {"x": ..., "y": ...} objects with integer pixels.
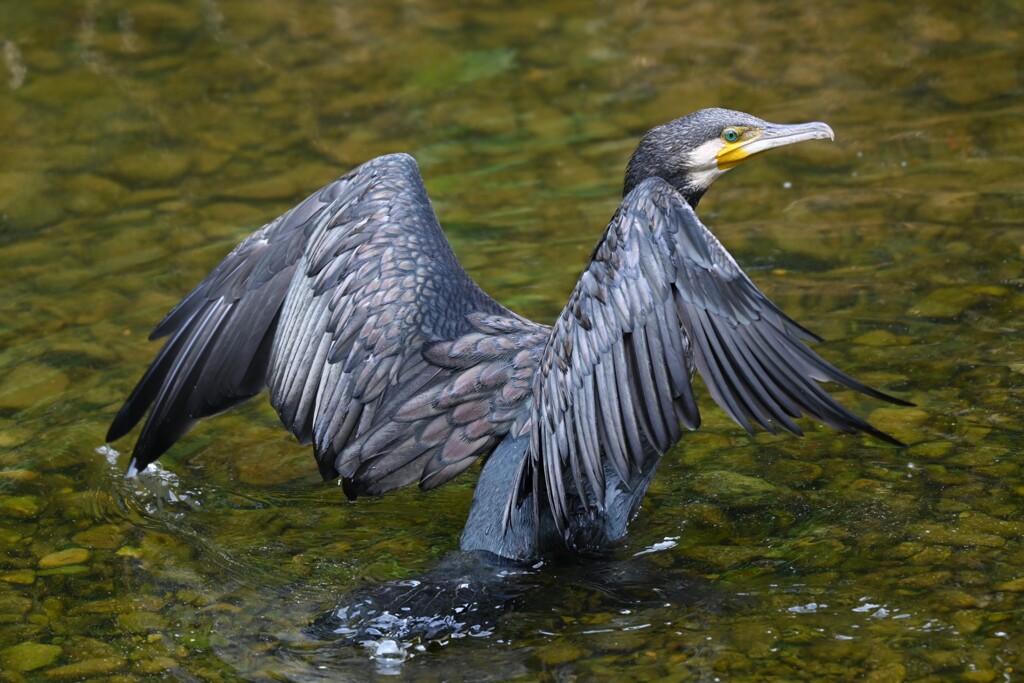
[
  {"x": 660, "y": 297},
  {"x": 376, "y": 344},
  {"x": 220, "y": 335},
  {"x": 354, "y": 366}
]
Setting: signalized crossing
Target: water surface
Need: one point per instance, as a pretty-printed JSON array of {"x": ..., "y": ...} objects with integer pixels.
[{"x": 139, "y": 141}]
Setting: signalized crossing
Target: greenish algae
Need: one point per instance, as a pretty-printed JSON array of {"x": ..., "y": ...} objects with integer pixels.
[{"x": 144, "y": 139}]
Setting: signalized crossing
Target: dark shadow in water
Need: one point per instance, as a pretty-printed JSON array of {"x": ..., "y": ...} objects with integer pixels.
[
  {"x": 467, "y": 597},
  {"x": 463, "y": 596}
]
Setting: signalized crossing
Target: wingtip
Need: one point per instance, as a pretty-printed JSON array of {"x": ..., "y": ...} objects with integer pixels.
[
  {"x": 350, "y": 487},
  {"x": 888, "y": 438},
  {"x": 120, "y": 425},
  {"x": 868, "y": 428},
  {"x": 875, "y": 393}
]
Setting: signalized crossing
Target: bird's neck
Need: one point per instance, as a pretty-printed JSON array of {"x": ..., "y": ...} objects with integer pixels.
[
  {"x": 690, "y": 193},
  {"x": 683, "y": 184}
]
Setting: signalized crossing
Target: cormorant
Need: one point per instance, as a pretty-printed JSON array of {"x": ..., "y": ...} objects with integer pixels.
[{"x": 379, "y": 349}]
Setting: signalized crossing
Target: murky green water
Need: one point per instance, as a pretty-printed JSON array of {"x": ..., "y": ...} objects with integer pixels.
[{"x": 140, "y": 140}]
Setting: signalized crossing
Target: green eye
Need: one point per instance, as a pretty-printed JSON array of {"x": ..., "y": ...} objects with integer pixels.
[{"x": 730, "y": 135}]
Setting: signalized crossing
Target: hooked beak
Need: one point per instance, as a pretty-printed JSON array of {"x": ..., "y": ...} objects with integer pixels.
[{"x": 773, "y": 135}]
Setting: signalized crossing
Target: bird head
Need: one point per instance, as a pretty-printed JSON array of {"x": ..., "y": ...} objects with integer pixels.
[{"x": 691, "y": 152}]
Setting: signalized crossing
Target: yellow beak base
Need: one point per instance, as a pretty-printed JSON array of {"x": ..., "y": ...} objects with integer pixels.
[{"x": 732, "y": 154}]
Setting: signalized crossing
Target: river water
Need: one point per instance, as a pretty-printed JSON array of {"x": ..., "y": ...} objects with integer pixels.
[{"x": 142, "y": 140}]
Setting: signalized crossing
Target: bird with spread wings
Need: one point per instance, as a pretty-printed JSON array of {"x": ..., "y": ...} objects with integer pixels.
[{"x": 380, "y": 350}]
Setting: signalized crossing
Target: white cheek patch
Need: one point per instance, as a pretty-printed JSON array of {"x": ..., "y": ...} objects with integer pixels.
[
  {"x": 702, "y": 179},
  {"x": 706, "y": 154},
  {"x": 702, "y": 163}
]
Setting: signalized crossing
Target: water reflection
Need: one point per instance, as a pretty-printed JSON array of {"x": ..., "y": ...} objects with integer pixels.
[{"x": 459, "y": 605}]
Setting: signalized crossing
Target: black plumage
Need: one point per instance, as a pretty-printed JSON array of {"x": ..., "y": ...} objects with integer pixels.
[{"x": 379, "y": 349}]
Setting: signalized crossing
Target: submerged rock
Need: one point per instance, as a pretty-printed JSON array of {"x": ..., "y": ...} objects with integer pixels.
[
  {"x": 945, "y": 302},
  {"x": 558, "y": 652},
  {"x": 20, "y": 476},
  {"x": 737, "y": 490},
  {"x": 96, "y": 666},
  {"x": 150, "y": 166},
  {"x": 141, "y": 622},
  {"x": 30, "y": 384},
  {"x": 25, "y": 199},
  {"x": 794, "y": 472},
  {"x": 11, "y": 436},
  {"x": 93, "y": 194},
  {"x": 1013, "y": 586},
  {"x": 893, "y": 672},
  {"x": 13, "y": 608},
  {"x": 28, "y": 656},
  {"x": 155, "y": 666},
  {"x": 21, "y": 507},
  {"x": 105, "y": 536},
  {"x": 63, "y": 558},
  {"x": 24, "y": 577},
  {"x": 903, "y": 423},
  {"x": 725, "y": 556}
]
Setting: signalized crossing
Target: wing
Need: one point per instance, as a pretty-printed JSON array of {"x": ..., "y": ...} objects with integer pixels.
[
  {"x": 661, "y": 297},
  {"x": 388, "y": 357},
  {"x": 376, "y": 344},
  {"x": 220, "y": 335}
]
